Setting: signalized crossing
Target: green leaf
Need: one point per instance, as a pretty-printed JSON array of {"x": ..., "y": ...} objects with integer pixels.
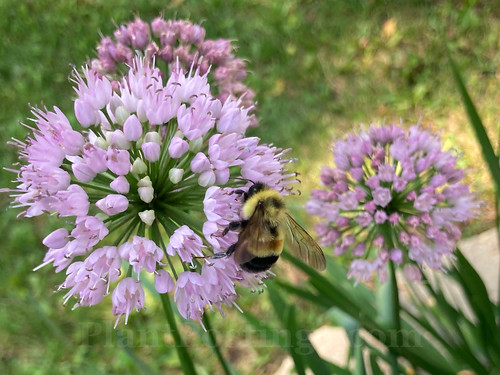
[
  {"x": 339, "y": 296},
  {"x": 443, "y": 323},
  {"x": 300, "y": 348},
  {"x": 277, "y": 301},
  {"x": 374, "y": 365},
  {"x": 306, "y": 349},
  {"x": 477, "y": 295},
  {"x": 294, "y": 348},
  {"x": 333, "y": 295},
  {"x": 270, "y": 332},
  {"x": 481, "y": 135},
  {"x": 359, "y": 363},
  {"x": 316, "y": 299}
]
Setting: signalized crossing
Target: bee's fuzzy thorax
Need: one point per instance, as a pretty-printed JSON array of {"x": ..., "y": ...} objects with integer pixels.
[{"x": 271, "y": 200}]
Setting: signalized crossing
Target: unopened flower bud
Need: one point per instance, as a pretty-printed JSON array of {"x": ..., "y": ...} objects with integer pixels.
[
  {"x": 57, "y": 239},
  {"x": 163, "y": 281},
  {"x": 146, "y": 193},
  {"x": 175, "y": 175},
  {"x": 397, "y": 256},
  {"x": 83, "y": 172},
  {"x": 139, "y": 167},
  {"x": 196, "y": 145},
  {"x": 85, "y": 114},
  {"x": 152, "y": 137},
  {"x": 177, "y": 147},
  {"x": 118, "y": 140},
  {"x": 151, "y": 151},
  {"x": 207, "y": 178},
  {"x": 141, "y": 112},
  {"x": 113, "y": 204},
  {"x": 120, "y": 185},
  {"x": 132, "y": 128},
  {"x": 145, "y": 182},
  {"x": 147, "y": 216},
  {"x": 121, "y": 114},
  {"x": 101, "y": 143},
  {"x": 139, "y": 34},
  {"x": 200, "y": 163}
]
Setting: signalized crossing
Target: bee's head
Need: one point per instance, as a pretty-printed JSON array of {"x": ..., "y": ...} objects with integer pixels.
[{"x": 255, "y": 188}]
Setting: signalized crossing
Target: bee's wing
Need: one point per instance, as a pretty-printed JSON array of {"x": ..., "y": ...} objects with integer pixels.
[
  {"x": 253, "y": 239},
  {"x": 303, "y": 246}
]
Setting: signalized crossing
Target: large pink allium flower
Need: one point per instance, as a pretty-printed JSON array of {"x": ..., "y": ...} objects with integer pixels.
[
  {"x": 177, "y": 42},
  {"x": 393, "y": 195},
  {"x": 149, "y": 161}
]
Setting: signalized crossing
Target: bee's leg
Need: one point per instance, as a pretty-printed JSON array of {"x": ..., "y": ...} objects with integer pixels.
[
  {"x": 231, "y": 249},
  {"x": 243, "y": 193},
  {"x": 225, "y": 253},
  {"x": 235, "y": 225}
]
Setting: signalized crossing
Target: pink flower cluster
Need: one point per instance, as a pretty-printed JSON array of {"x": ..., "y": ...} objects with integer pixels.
[
  {"x": 177, "y": 41},
  {"x": 393, "y": 195},
  {"x": 141, "y": 163}
]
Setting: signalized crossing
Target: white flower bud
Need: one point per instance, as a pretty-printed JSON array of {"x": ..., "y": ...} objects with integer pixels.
[
  {"x": 145, "y": 182},
  {"x": 121, "y": 114},
  {"x": 196, "y": 145},
  {"x": 147, "y": 216},
  {"x": 146, "y": 193},
  {"x": 152, "y": 137},
  {"x": 141, "y": 112},
  {"x": 118, "y": 140},
  {"x": 101, "y": 143},
  {"x": 139, "y": 167},
  {"x": 175, "y": 175}
]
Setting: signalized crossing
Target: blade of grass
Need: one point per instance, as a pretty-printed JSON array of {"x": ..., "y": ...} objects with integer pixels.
[
  {"x": 446, "y": 325},
  {"x": 497, "y": 223},
  {"x": 139, "y": 363},
  {"x": 481, "y": 135},
  {"x": 478, "y": 298}
]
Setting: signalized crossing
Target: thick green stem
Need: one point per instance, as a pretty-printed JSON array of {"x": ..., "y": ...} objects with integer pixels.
[
  {"x": 395, "y": 318},
  {"x": 184, "y": 357},
  {"x": 215, "y": 346}
]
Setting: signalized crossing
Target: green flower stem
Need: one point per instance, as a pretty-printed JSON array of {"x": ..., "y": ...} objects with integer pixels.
[
  {"x": 395, "y": 316},
  {"x": 184, "y": 357},
  {"x": 181, "y": 216},
  {"x": 93, "y": 186},
  {"x": 157, "y": 237},
  {"x": 214, "y": 345},
  {"x": 127, "y": 233}
]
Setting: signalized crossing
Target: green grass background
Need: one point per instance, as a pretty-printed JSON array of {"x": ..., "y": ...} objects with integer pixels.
[{"x": 320, "y": 69}]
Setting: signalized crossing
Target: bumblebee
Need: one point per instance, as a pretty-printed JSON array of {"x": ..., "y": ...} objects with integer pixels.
[{"x": 265, "y": 228}]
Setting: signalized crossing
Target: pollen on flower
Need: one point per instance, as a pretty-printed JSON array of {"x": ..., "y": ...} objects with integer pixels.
[{"x": 388, "y": 198}]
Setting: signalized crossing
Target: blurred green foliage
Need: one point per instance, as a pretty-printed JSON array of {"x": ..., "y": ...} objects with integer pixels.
[{"x": 318, "y": 67}]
